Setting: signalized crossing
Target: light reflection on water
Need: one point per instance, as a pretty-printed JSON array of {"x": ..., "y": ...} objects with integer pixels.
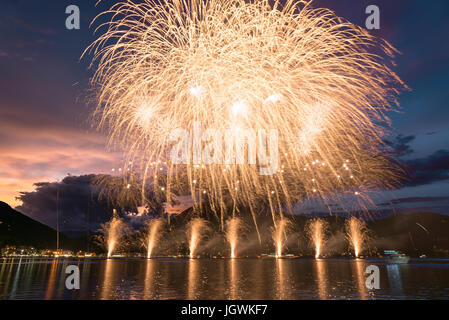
[
  {"x": 358, "y": 265},
  {"x": 321, "y": 277},
  {"x": 234, "y": 279}
]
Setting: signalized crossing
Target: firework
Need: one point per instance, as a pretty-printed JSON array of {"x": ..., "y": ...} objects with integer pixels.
[
  {"x": 234, "y": 227},
  {"x": 113, "y": 233},
  {"x": 317, "y": 231},
  {"x": 118, "y": 191},
  {"x": 279, "y": 235},
  {"x": 357, "y": 234},
  {"x": 232, "y": 65},
  {"x": 154, "y": 234},
  {"x": 196, "y": 231}
]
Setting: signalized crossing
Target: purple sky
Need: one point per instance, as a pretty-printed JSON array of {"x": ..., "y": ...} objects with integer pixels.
[{"x": 44, "y": 125}]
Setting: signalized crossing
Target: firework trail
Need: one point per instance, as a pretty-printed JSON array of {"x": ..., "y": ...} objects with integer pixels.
[
  {"x": 317, "y": 231},
  {"x": 323, "y": 83},
  {"x": 113, "y": 233},
  {"x": 357, "y": 234},
  {"x": 234, "y": 227},
  {"x": 196, "y": 231},
  {"x": 154, "y": 235}
]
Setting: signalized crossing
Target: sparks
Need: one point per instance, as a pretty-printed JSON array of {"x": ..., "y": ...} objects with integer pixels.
[{"x": 164, "y": 66}]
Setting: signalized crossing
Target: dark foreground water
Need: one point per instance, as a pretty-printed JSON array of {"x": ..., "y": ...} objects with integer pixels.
[{"x": 28, "y": 278}]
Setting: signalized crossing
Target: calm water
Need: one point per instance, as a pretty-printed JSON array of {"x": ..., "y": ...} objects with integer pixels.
[{"x": 27, "y": 278}]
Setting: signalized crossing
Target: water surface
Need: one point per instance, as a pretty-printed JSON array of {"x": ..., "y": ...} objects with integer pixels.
[{"x": 292, "y": 279}]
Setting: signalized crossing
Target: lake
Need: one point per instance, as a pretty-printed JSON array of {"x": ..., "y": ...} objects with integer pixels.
[{"x": 234, "y": 279}]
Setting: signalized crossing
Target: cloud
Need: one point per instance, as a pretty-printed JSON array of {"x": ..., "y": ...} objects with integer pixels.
[
  {"x": 76, "y": 200},
  {"x": 430, "y": 169},
  {"x": 31, "y": 27},
  {"x": 400, "y": 145},
  {"x": 414, "y": 200},
  {"x": 421, "y": 171},
  {"x": 39, "y": 148},
  {"x": 84, "y": 202}
]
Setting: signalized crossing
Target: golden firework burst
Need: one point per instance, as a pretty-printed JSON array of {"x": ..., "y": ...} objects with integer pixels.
[{"x": 232, "y": 65}]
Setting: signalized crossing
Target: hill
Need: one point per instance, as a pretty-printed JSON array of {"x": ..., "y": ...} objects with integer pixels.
[
  {"x": 20, "y": 230},
  {"x": 414, "y": 234}
]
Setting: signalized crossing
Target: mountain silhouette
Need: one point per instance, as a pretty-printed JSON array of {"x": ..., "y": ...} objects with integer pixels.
[{"x": 19, "y": 230}]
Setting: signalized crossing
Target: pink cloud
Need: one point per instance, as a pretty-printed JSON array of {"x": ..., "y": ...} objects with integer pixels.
[{"x": 31, "y": 153}]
